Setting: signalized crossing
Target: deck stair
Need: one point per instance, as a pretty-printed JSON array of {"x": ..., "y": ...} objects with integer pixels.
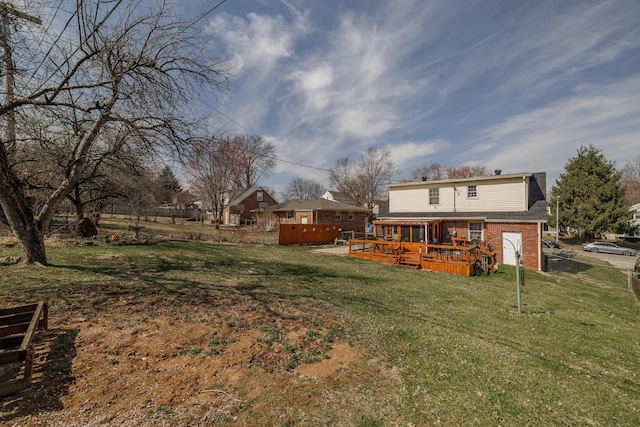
[{"x": 410, "y": 259}]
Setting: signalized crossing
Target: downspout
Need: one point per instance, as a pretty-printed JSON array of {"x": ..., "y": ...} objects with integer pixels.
[
  {"x": 455, "y": 190},
  {"x": 539, "y": 247}
]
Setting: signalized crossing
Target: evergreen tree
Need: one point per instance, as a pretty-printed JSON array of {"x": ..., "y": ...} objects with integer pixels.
[
  {"x": 590, "y": 197},
  {"x": 167, "y": 186}
]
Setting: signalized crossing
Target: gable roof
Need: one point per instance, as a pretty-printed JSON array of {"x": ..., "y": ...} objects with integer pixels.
[
  {"x": 184, "y": 197},
  {"x": 238, "y": 196},
  {"x": 315, "y": 204}
]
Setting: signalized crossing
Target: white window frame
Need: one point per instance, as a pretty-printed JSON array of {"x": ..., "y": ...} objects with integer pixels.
[
  {"x": 434, "y": 196},
  {"x": 352, "y": 216},
  {"x": 338, "y": 216},
  {"x": 259, "y": 196},
  {"x": 481, "y": 231},
  {"x": 289, "y": 215},
  {"x": 472, "y": 192}
]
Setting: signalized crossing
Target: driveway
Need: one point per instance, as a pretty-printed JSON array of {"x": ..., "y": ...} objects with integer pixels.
[{"x": 619, "y": 261}]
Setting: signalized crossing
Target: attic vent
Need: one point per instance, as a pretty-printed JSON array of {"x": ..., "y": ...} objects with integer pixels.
[{"x": 498, "y": 171}]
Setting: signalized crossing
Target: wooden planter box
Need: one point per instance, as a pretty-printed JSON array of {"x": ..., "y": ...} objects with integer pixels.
[{"x": 17, "y": 329}]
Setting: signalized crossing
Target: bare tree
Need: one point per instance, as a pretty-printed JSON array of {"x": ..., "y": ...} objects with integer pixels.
[
  {"x": 210, "y": 167},
  {"x": 364, "y": 180},
  {"x": 466, "y": 172},
  {"x": 631, "y": 180},
  {"x": 254, "y": 160},
  {"x": 303, "y": 189},
  {"x": 121, "y": 65},
  {"x": 435, "y": 172}
]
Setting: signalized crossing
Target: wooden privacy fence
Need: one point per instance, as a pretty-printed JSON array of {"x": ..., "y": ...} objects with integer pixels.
[{"x": 301, "y": 234}]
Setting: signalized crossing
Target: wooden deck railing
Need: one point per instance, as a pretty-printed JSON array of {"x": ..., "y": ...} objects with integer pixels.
[{"x": 458, "y": 259}]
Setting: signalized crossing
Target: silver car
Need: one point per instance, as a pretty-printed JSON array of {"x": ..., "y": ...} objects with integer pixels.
[{"x": 609, "y": 248}]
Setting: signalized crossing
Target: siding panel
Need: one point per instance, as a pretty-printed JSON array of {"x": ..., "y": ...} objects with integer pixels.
[{"x": 500, "y": 196}]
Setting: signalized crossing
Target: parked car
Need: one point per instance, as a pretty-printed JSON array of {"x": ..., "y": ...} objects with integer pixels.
[
  {"x": 610, "y": 248},
  {"x": 549, "y": 244}
]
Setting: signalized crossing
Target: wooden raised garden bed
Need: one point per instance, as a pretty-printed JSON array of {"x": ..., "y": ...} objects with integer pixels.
[{"x": 17, "y": 329}]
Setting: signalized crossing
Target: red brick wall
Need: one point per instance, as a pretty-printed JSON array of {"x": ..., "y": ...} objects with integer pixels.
[
  {"x": 251, "y": 203},
  {"x": 356, "y": 224},
  {"x": 530, "y": 241}
]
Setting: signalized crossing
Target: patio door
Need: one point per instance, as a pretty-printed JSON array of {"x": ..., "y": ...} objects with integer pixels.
[{"x": 510, "y": 242}]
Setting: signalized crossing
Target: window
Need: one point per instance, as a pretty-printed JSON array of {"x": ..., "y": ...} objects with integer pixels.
[
  {"x": 434, "y": 196},
  {"x": 289, "y": 214},
  {"x": 338, "y": 216},
  {"x": 475, "y": 231},
  {"x": 472, "y": 191},
  {"x": 263, "y": 205},
  {"x": 405, "y": 233},
  {"x": 417, "y": 233},
  {"x": 259, "y": 196},
  {"x": 351, "y": 216}
]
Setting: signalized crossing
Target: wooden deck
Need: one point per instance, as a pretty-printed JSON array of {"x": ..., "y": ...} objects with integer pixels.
[{"x": 461, "y": 259}]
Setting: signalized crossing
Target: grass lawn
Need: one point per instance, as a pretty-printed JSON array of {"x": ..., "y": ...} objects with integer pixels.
[{"x": 434, "y": 349}]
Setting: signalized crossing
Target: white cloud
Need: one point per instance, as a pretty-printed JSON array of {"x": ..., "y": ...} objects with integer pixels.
[
  {"x": 414, "y": 154},
  {"x": 517, "y": 86},
  {"x": 313, "y": 86},
  {"x": 257, "y": 42},
  {"x": 545, "y": 138}
]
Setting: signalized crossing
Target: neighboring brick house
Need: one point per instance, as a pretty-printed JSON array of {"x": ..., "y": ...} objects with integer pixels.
[
  {"x": 316, "y": 211},
  {"x": 243, "y": 204},
  {"x": 506, "y": 211}
]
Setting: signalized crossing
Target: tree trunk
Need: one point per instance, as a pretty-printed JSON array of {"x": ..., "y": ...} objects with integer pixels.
[
  {"x": 33, "y": 247},
  {"x": 77, "y": 202},
  {"x": 28, "y": 230}
]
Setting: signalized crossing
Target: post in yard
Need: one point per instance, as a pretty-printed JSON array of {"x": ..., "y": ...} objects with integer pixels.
[{"x": 518, "y": 279}]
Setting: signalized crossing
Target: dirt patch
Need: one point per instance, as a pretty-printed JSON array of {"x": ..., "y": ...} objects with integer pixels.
[{"x": 225, "y": 362}]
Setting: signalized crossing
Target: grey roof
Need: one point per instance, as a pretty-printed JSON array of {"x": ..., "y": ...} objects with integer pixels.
[
  {"x": 537, "y": 213},
  {"x": 339, "y": 196},
  {"x": 315, "y": 204}
]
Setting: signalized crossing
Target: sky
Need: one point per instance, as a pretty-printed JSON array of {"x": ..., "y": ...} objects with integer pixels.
[{"x": 511, "y": 85}]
